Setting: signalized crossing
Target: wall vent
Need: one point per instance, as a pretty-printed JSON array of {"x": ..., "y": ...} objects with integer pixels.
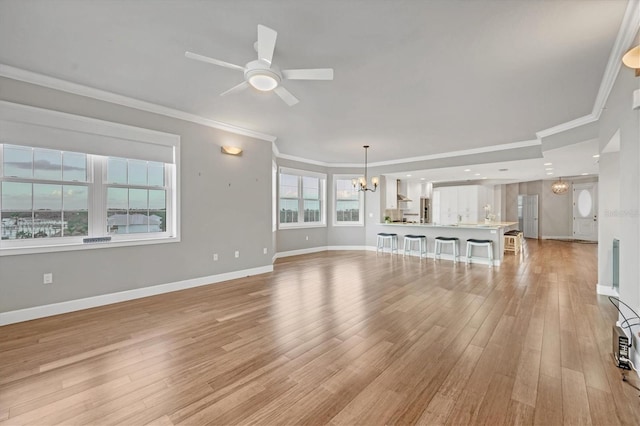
[{"x": 94, "y": 240}]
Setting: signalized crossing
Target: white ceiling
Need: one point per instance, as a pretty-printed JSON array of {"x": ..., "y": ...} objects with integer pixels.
[{"x": 412, "y": 78}]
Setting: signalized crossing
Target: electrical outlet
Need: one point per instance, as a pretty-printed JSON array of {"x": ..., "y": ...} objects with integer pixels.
[
  {"x": 307, "y": 238},
  {"x": 47, "y": 278},
  {"x": 264, "y": 250},
  {"x": 237, "y": 254},
  {"x": 215, "y": 257}
]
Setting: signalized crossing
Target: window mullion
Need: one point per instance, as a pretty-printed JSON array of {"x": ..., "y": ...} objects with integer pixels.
[{"x": 97, "y": 197}]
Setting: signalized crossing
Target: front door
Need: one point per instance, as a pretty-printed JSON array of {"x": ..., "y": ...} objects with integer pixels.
[{"x": 585, "y": 211}]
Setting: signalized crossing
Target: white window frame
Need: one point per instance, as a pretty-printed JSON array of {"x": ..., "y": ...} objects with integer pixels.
[
  {"x": 55, "y": 131},
  {"x": 322, "y": 193},
  {"x": 335, "y": 222}
]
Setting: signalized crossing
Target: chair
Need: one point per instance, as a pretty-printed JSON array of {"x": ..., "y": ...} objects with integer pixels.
[
  {"x": 472, "y": 242},
  {"x": 446, "y": 240},
  {"x": 383, "y": 238},
  {"x": 409, "y": 241}
]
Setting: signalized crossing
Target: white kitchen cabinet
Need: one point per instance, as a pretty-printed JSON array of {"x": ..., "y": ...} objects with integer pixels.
[
  {"x": 459, "y": 204},
  {"x": 391, "y": 193}
]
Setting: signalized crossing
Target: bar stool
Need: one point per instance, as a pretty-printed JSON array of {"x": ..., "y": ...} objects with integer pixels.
[
  {"x": 446, "y": 240},
  {"x": 471, "y": 242},
  {"x": 520, "y": 235},
  {"x": 512, "y": 243},
  {"x": 383, "y": 237},
  {"x": 422, "y": 244}
]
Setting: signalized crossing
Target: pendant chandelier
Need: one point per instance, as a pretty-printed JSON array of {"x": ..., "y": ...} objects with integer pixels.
[
  {"x": 559, "y": 186},
  {"x": 361, "y": 183}
]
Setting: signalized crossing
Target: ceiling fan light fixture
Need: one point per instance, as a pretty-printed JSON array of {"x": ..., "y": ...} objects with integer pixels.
[
  {"x": 263, "y": 80},
  {"x": 632, "y": 59}
]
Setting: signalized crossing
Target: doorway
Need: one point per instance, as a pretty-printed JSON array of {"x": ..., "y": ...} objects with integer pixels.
[
  {"x": 528, "y": 215},
  {"x": 585, "y": 211}
]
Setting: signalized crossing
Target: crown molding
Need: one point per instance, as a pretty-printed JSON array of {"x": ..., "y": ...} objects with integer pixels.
[
  {"x": 102, "y": 95},
  {"x": 461, "y": 153},
  {"x": 581, "y": 121},
  {"x": 627, "y": 33}
]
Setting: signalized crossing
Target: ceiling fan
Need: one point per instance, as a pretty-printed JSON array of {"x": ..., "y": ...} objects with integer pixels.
[{"x": 261, "y": 74}]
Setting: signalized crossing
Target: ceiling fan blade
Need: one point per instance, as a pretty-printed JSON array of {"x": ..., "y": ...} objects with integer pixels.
[
  {"x": 209, "y": 60},
  {"x": 266, "y": 43},
  {"x": 236, "y": 88},
  {"x": 286, "y": 96},
  {"x": 309, "y": 74}
]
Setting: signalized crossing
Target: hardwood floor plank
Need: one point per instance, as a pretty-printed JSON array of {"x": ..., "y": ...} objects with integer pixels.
[
  {"x": 549, "y": 406},
  {"x": 575, "y": 403},
  {"x": 334, "y": 338}
]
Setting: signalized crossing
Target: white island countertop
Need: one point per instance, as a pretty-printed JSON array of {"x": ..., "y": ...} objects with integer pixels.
[{"x": 479, "y": 225}]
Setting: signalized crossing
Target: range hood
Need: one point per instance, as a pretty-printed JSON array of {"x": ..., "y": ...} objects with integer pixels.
[{"x": 400, "y": 196}]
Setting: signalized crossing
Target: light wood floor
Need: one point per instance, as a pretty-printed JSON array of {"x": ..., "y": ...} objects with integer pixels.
[{"x": 338, "y": 338}]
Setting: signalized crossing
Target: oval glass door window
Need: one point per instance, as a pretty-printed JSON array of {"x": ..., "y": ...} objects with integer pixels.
[{"x": 584, "y": 203}]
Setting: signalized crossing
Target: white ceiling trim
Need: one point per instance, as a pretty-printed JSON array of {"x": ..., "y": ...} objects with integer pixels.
[
  {"x": 628, "y": 30},
  {"x": 566, "y": 126},
  {"x": 102, "y": 95},
  {"x": 483, "y": 150}
]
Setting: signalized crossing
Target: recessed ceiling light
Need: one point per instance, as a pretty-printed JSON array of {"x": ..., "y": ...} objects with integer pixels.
[
  {"x": 596, "y": 156},
  {"x": 408, "y": 175},
  {"x": 467, "y": 170},
  {"x": 477, "y": 174},
  {"x": 584, "y": 174},
  {"x": 550, "y": 173},
  {"x": 484, "y": 177},
  {"x": 421, "y": 178},
  {"x": 548, "y": 164},
  {"x": 549, "y": 168}
]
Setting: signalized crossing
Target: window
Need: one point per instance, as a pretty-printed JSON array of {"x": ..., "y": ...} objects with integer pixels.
[
  {"x": 45, "y": 194},
  {"x": 67, "y": 182},
  {"x": 301, "y": 198},
  {"x": 349, "y": 209},
  {"x": 136, "y": 196}
]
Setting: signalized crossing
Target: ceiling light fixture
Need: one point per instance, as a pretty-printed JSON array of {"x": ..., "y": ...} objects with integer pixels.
[
  {"x": 632, "y": 59},
  {"x": 262, "y": 79},
  {"x": 361, "y": 183},
  {"x": 467, "y": 170},
  {"x": 596, "y": 156},
  {"x": 547, "y": 164},
  {"x": 559, "y": 187},
  {"x": 231, "y": 150}
]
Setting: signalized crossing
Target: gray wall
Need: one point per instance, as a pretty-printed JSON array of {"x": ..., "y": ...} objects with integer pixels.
[
  {"x": 225, "y": 206},
  {"x": 555, "y": 212},
  {"x": 618, "y": 115},
  {"x": 608, "y": 217}
]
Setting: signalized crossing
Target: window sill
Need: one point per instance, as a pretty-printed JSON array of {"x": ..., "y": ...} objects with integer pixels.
[
  {"x": 351, "y": 224},
  {"x": 13, "y": 251},
  {"x": 283, "y": 227}
]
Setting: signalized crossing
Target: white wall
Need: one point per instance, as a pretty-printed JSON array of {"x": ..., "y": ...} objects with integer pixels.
[
  {"x": 608, "y": 214},
  {"x": 623, "y": 220}
]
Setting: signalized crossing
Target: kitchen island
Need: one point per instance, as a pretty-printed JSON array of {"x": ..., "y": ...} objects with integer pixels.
[{"x": 493, "y": 231}]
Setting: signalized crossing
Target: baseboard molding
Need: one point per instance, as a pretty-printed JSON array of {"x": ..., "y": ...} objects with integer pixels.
[
  {"x": 606, "y": 290},
  {"x": 36, "y": 312},
  {"x": 556, "y": 237},
  {"x": 300, "y": 251}
]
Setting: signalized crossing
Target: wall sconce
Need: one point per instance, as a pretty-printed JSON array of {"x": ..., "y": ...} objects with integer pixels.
[
  {"x": 632, "y": 59},
  {"x": 231, "y": 150}
]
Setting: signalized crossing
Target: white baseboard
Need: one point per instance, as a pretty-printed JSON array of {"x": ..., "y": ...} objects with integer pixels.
[
  {"x": 606, "y": 290},
  {"x": 27, "y": 314},
  {"x": 300, "y": 251},
  {"x": 318, "y": 249},
  {"x": 557, "y": 237}
]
